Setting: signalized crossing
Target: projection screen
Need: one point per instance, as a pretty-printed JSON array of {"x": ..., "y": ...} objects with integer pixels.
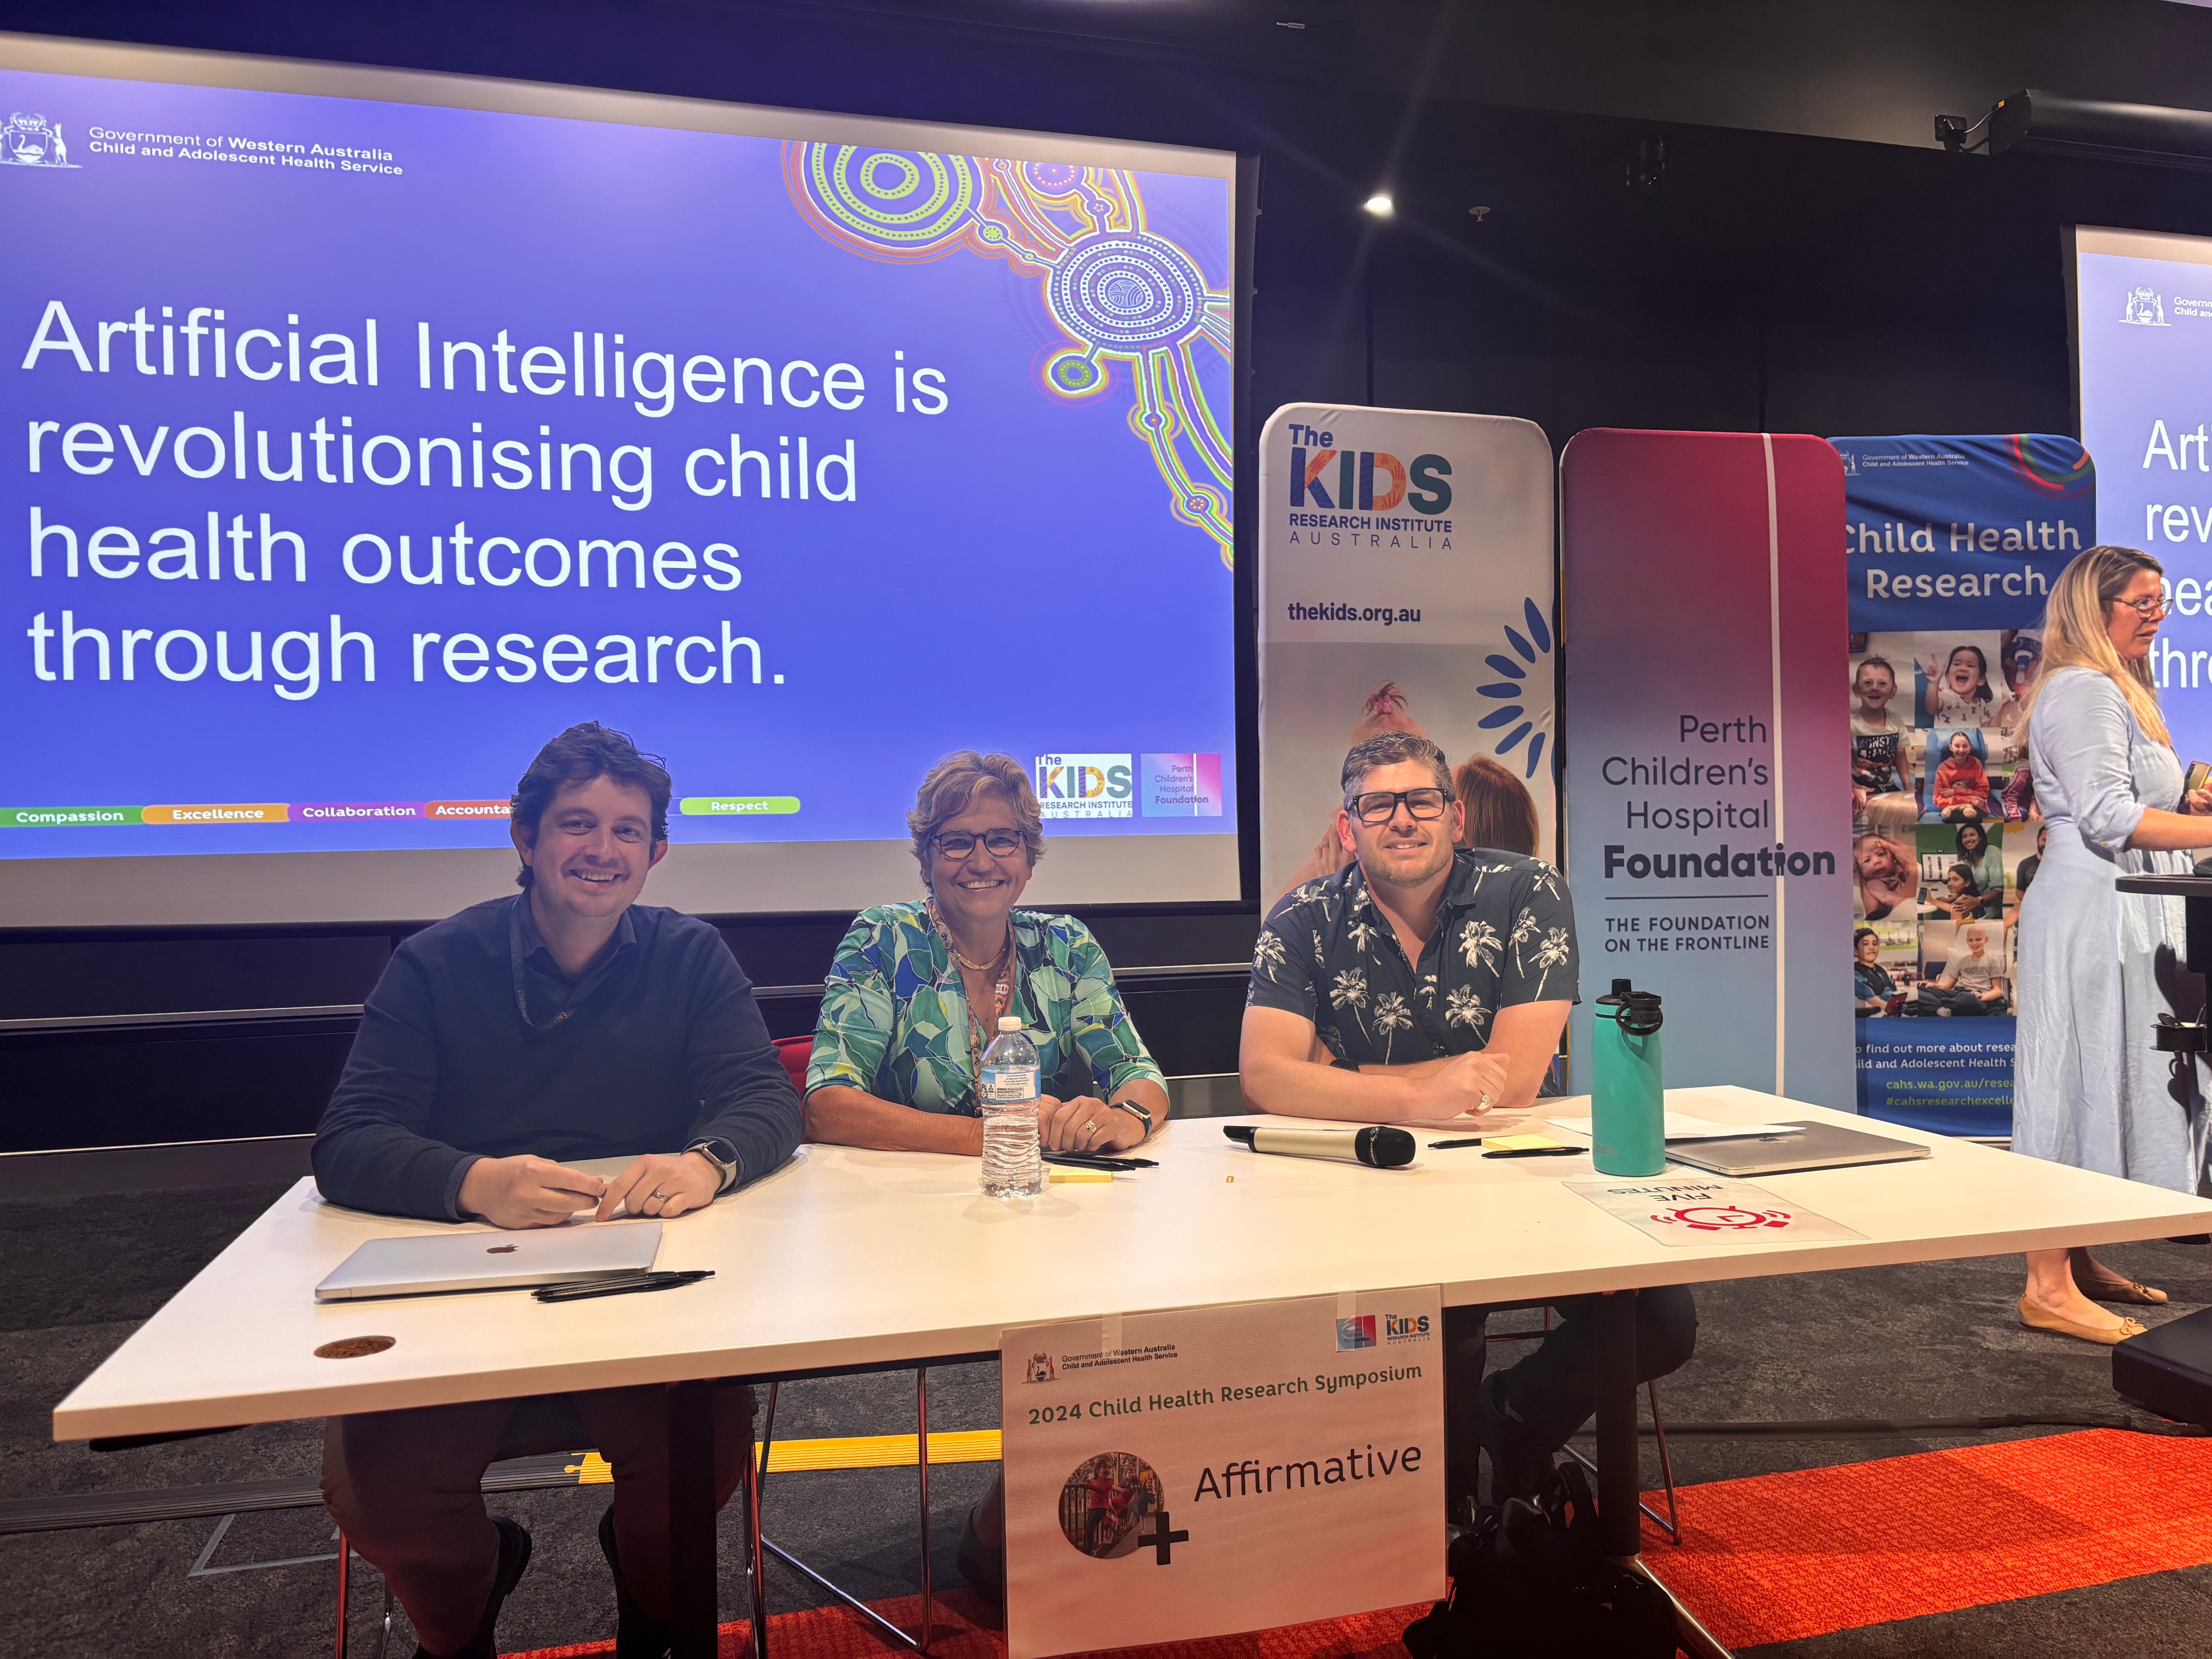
[
  {"x": 2142, "y": 331},
  {"x": 373, "y": 427}
]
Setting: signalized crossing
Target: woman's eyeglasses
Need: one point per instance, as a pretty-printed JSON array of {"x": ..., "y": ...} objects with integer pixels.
[
  {"x": 1381, "y": 805},
  {"x": 959, "y": 843},
  {"x": 2153, "y": 605}
]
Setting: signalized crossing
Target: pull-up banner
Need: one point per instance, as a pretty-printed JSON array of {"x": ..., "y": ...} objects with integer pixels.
[
  {"x": 1399, "y": 546},
  {"x": 1954, "y": 544},
  {"x": 1708, "y": 838}
]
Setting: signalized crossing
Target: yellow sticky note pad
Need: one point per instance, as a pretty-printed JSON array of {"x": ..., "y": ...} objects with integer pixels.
[
  {"x": 1517, "y": 1143},
  {"x": 1060, "y": 1177}
]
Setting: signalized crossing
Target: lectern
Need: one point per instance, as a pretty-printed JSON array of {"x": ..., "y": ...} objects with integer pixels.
[{"x": 2169, "y": 1368}]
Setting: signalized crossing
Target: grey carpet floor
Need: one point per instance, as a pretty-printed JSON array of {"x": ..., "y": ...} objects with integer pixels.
[{"x": 76, "y": 1277}]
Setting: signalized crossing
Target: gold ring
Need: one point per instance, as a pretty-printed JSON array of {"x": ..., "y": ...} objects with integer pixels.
[{"x": 1089, "y": 1125}]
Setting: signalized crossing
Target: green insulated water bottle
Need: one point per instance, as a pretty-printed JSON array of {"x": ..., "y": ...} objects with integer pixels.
[{"x": 1628, "y": 1110}]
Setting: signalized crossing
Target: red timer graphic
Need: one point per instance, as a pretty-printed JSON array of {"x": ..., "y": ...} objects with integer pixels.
[{"x": 1721, "y": 1218}]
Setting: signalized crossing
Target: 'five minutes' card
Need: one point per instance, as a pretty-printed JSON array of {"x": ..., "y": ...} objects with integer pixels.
[{"x": 1708, "y": 1211}]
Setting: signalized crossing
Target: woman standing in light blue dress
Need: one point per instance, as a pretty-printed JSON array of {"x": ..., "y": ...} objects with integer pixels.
[{"x": 2097, "y": 966}]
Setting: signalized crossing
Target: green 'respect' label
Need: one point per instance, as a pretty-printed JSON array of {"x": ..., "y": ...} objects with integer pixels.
[
  {"x": 737, "y": 806},
  {"x": 51, "y": 817}
]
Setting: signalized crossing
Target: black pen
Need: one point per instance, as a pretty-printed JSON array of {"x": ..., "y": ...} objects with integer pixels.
[
  {"x": 579, "y": 1290},
  {"x": 1099, "y": 1161},
  {"x": 1440, "y": 1145},
  {"x": 1539, "y": 1151}
]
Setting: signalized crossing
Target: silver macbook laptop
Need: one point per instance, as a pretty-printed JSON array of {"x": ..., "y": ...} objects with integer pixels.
[
  {"x": 430, "y": 1264},
  {"x": 1809, "y": 1146}
]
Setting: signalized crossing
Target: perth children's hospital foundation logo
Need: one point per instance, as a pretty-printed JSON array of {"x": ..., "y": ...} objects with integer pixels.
[{"x": 32, "y": 141}]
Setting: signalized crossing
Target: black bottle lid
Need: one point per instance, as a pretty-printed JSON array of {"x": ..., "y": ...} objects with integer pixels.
[{"x": 1639, "y": 1014}]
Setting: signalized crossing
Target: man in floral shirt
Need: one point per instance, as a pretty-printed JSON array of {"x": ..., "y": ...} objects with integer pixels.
[{"x": 1414, "y": 985}]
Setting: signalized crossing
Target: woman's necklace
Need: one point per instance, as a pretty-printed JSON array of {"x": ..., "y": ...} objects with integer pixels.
[
  {"x": 992, "y": 966},
  {"x": 996, "y": 970},
  {"x": 997, "y": 964}
]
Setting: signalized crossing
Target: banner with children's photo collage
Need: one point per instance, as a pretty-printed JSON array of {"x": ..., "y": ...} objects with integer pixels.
[{"x": 1954, "y": 546}]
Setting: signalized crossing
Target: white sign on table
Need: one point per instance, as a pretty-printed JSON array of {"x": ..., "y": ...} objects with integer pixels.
[
  {"x": 1706, "y": 1210},
  {"x": 1212, "y": 1470}
]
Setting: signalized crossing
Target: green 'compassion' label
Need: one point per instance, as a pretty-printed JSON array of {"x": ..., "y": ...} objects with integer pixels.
[{"x": 45, "y": 818}]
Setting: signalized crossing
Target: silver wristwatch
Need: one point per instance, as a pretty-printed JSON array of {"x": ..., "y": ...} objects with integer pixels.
[
  {"x": 723, "y": 1154},
  {"x": 1136, "y": 1111}
]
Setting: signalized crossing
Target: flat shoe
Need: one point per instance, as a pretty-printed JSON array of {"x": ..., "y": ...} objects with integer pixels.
[
  {"x": 2143, "y": 1295},
  {"x": 2036, "y": 1320}
]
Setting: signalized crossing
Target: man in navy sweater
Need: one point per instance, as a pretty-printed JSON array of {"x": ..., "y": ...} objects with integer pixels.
[{"x": 566, "y": 1023}]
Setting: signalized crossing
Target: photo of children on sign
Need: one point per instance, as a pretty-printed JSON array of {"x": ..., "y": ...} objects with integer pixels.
[
  {"x": 1946, "y": 834},
  {"x": 1103, "y": 1500}
]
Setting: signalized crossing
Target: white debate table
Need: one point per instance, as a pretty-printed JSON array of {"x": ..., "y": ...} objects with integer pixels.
[{"x": 847, "y": 1259}]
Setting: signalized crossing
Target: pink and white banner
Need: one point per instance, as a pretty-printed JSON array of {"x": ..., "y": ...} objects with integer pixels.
[{"x": 1708, "y": 822}]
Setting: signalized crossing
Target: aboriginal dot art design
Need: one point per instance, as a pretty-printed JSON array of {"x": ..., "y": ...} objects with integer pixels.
[{"x": 1128, "y": 307}]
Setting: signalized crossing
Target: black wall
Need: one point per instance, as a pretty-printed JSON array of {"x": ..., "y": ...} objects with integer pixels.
[{"x": 1633, "y": 270}]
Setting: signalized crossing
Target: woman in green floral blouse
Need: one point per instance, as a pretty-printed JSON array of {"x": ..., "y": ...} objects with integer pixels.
[
  {"x": 913, "y": 1000},
  {"x": 913, "y": 996}
]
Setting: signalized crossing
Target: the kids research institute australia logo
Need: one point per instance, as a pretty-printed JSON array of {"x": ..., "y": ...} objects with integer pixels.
[
  {"x": 1360, "y": 1330},
  {"x": 1085, "y": 787},
  {"x": 1352, "y": 480},
  {"x": 32, "y": 141}
]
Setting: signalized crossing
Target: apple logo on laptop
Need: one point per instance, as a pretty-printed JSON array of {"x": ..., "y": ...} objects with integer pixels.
[{"x": 500, "y": 1249}]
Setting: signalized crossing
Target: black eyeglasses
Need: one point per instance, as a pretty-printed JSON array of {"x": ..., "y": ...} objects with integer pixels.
[
  {"x": 959, "y": 843},
  {"x": 1381, "y": 805}
]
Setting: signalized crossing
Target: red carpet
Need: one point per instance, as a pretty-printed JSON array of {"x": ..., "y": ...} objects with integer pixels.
[
  {"x": 835, "y": 1633},
  {"x": 1780, "y": 1557},
  {"x": 1775, "y": 1558}
]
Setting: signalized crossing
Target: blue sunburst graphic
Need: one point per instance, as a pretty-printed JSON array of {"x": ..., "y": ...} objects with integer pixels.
[{"x": 1533, "y": 649}]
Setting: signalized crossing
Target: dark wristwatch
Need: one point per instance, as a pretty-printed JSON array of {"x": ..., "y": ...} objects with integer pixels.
[
  {"x": 1137, "y": 1112},
  {"x": 723, "y": 1154}
]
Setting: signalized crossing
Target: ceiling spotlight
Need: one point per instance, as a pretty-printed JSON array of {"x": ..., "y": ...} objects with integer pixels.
[
  {"x": 1480, "y": 213},
  {"x": 1380, "y": 205}
]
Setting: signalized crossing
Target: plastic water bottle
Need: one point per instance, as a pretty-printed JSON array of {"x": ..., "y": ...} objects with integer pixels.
[
  {"x": 1628, "y": 1100},
  {"x": 1006, "y": 1100}
]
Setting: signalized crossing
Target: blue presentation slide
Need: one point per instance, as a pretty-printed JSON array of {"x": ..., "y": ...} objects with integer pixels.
[
  {"x": 2143, "y": 321},
  {"x": 360, "y": 447}
]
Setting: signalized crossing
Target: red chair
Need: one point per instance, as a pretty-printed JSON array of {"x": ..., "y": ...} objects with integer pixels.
[{"x": 794, "y": 1053}]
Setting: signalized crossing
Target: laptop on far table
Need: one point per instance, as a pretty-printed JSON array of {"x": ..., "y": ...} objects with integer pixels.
[
  {"x": 433, "y": 1264},
  {"x": 1809, "y": 1145}
]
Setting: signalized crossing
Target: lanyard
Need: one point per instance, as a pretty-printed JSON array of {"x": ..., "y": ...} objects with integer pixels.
[
  {"x": 975, "y": 1045},
  {"x": 522, "y": 997}
]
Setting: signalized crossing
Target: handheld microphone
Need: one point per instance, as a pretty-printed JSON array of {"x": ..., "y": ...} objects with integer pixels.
[{"x": 1376, "y": 1146}]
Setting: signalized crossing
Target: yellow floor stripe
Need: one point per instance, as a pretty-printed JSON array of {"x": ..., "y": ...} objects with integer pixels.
[{"x": 864, "y": 1451}]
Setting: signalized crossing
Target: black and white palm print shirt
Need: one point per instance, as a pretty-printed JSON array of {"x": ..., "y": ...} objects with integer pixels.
[{"x": 1504, "y": 935}]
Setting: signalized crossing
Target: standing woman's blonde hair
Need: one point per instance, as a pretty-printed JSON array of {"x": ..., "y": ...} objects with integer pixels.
[{"x": 2074, "y": 635}]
